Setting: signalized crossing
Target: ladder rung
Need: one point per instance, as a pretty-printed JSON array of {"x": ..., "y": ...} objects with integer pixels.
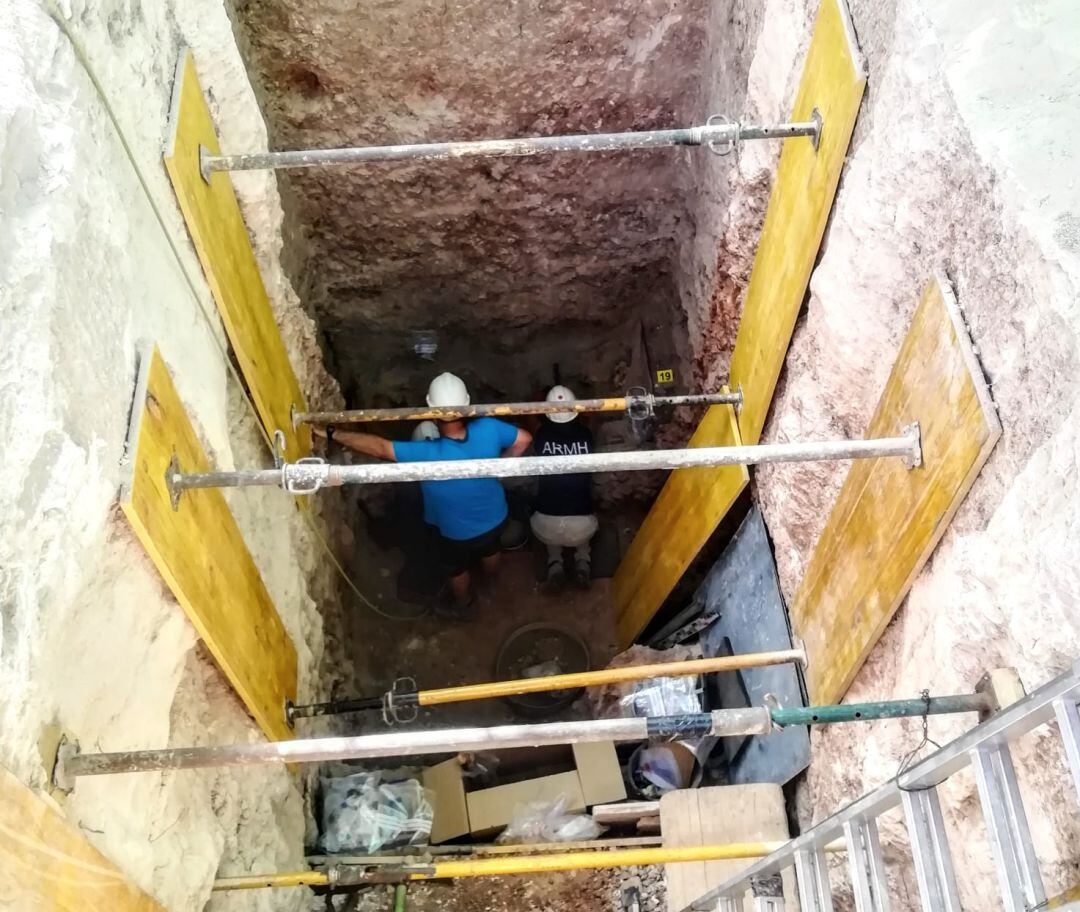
[
  {"x": 930, "y": 851},
  {"x": 812, "y": 873},
  {"x": 868, "y": 879},
  {"x": 1007, "y": 826},
  {"x": 1068, "y": 717}
]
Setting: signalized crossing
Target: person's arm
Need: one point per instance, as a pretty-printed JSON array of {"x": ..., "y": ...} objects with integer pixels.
[
  {"x": 368, "y": 444},
  {"x": 520, "y": 445}
]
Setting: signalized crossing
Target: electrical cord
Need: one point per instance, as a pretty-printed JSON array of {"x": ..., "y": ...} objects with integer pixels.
[{"x": 50, "y": 8}]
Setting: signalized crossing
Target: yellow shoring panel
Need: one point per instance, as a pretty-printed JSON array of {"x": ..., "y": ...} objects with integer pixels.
[
  {"x": 221, "y": 240},
  {"x": 833, "y": 80},
  {"x": 200, "y": 553},
  {"x": 887, "y": 519},
  {"x": 685, "y": 514},
  {"x": 46, "y": 862},
  {"x": 683, "y": 517}
]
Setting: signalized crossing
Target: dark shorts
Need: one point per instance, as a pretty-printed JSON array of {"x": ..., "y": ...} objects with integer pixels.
[{"x": 458, "y": 555}]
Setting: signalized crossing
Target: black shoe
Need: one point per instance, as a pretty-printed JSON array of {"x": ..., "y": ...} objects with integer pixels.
[
  {"x": 582, "y": 576},
  {"x": 556, "y": 578},
  {"x": 451, "y": 610}
]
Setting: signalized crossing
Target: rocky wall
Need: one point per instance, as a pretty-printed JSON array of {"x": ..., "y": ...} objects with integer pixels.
[
  {"x": 515, "y": 264},
  {"x": 962, "y": 159},
  {"x": 95, "y": 261}
]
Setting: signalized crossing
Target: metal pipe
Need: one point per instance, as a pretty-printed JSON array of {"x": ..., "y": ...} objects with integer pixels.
[
  {"x": 510, "y": 409},
  {"x": 718, "y": 136},
  {"x": 307, "y": 477},
  {"x": 884, "y": 709},
  {"x": 517, "y": 864},
  {"x": 721, "y": 723},
  {"x": 496, "y": 689}
]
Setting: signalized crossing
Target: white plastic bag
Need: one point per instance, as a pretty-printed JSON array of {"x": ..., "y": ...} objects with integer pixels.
[
  {"x": 361, "y": 813},
  {"x": 548, "y": 821}
]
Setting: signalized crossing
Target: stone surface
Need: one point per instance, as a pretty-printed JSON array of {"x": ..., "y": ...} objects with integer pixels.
[{"x": 91, "y": 640}]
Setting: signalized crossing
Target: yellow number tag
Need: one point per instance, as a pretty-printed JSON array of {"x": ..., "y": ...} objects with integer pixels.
[{"x": 665, "y": 376}]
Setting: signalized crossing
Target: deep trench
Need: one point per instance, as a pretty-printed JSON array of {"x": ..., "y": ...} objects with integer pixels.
[{"x": 595, "y": 271}]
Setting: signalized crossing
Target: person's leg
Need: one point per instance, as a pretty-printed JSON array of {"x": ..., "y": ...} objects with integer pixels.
[
  {"x": 584, "y": 529},
  {"x": 556, "y": 572},
  {"x": 490, "y": 563},
  {"x": 455, "y": 565},
  {"x": 546, "y": 530},
  {"x": 582, "y": 566},
  {"x": 459, "y": 585}
]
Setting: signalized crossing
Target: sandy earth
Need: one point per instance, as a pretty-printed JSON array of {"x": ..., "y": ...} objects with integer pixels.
[
  {"x": 941, "y": 173},
  {"x": 91, "y": 640}
]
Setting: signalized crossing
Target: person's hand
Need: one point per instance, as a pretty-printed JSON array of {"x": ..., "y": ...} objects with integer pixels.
[{"x": 317, "y": 431}]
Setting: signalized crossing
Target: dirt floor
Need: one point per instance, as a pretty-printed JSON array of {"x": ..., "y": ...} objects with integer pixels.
[
  {"x": 592, "y": 890},
  {"x": 439, "y": 653}
]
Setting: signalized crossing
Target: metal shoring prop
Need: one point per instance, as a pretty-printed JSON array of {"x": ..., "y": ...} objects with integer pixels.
[
  {"x": 396, "y": 699},
  {"x": 510, "y": 409},
  {"x": 312, "y": 473},
  {"x": 718, "y": 135},
  {"x": 344, "y": 875},
  {"x": 721, "y": 723}
]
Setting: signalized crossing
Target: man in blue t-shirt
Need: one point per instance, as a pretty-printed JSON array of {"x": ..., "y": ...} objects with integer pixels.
[{"x": 469, "y": 513}]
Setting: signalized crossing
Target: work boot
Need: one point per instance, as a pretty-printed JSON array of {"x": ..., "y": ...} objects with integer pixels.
[
  {"x": 450, "y": 609},
  {"x": 582, "y": 575},
  {"x": 556, "y": 578}
]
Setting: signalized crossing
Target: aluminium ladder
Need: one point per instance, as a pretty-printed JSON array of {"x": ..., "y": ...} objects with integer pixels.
[{"x": 986, "y": 749}]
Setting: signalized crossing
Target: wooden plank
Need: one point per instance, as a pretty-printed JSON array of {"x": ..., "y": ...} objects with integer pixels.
[
  {"x": 680, "y": 823},
  {"x": 887, "y": 519},
  {"x": 221, "y": 240},
  {"x": 685, "y": 514},
  {"x": 716, "y": 816},
  {"x": 201, "y": 555},
  {"x": 833, "y": 80},
  {"x": 625, "y": 811},
  {"x": 46, "y": 863}
]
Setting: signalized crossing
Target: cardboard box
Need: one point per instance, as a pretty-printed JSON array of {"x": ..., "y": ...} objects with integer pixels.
[
  {"x": 451, "y": 815},
  {"x": 586, "y": 774},
  {"x": 598, "y": 769},
  {"x": 491, "y": 809}
]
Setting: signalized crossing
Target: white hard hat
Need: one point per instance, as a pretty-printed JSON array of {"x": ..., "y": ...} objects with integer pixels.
[
  {"x": 447, "y": 390},
  {"x": 426, "y": 430},
  {"x": 561, "y": 394}
]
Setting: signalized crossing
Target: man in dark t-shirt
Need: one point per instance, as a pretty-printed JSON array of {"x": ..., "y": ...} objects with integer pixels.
[{"x": 564, "y": 516}]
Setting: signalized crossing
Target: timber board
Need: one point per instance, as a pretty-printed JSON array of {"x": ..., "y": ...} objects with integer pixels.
[
  {"x": 46, "y": 863},
  {"x": 221, "y": 241},
  {"x": 678, "y": 526},
  {"x": 718, "y": 815},
  {"x": 686, "y": 512},
  {"x": 887, "y": 519},
  {"x": 200, "y": 553},
  {"x": 833, "y": 81}
]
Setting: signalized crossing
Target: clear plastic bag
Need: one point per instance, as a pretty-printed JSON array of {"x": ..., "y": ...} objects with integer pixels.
[
  {"x": 361, "y": 813},
  {"x": 548, "y": 821},
  {"x": 663, "y": 697}
]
